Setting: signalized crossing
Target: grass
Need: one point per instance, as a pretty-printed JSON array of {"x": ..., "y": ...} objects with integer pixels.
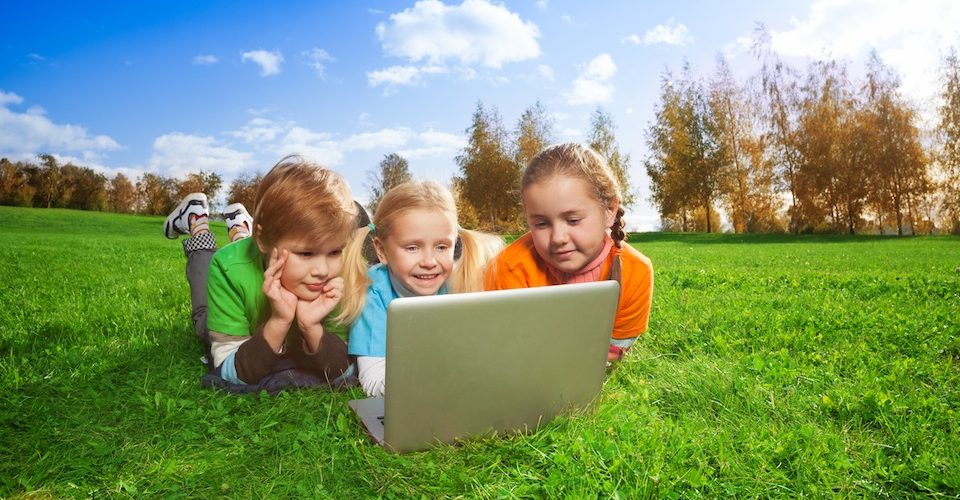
[{"x": 774, "y": 366}]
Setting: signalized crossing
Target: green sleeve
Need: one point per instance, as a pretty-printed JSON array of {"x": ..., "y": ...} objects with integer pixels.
[{"x": 225, "y": 307}]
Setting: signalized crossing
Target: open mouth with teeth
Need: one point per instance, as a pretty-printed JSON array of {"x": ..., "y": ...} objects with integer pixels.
[{"x": 426, "y": 277}]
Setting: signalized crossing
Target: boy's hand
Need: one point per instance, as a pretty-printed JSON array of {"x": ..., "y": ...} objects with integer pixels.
[
  {"x": 282, "y": 301},
  {"x": 311, "y": 313}
]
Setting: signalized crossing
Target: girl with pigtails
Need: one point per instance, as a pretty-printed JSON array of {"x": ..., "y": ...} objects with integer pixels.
[
  {"x": 571, "y": 201},
  {"x": 414, "y": 232}
]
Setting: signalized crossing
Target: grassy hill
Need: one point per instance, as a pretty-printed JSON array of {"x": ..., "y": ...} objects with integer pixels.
[{"x": 773, "y": 366}]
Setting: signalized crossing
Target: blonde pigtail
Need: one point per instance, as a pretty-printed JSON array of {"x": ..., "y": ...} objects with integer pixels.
[
  {"x": 478, "y": 249},
  {"x": 355, "y": 280}
]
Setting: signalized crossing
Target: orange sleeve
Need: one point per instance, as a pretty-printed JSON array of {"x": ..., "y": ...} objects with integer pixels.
[
  {"x": 636, "y": 296},
  {"x": 514, "y": 267}
]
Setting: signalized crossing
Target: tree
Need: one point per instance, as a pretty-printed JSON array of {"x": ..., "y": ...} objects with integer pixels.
[
  {"x": 47, "y": 182},
  {"x": 243, "y": 190},
  {"x": 900, "y": 167},
  {"x": 667, "y": 141},
  {"x": 393, "y": 171},
  {"x": 603, "y": 140},
  {"x": 208, "y": 183},
  {"x": 746, "y": 175},
  {"x": 15, "y": 188},
  {"x": 684, "y": 164},
  {"x": 534, "y": 133},
  {"x": 489, "y": 178},
  {"x": 948, "y": 132},
  {"x": 780, "y": 104},
  {"x": 122, "y": 194},
  {"x": 158, "y": 195},
  {"x": 83, "y": 189}
]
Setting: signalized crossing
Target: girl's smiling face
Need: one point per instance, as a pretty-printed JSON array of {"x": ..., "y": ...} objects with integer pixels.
[
  {"x": 419, "y": 249},
  {"x": 567, "y": 221}
]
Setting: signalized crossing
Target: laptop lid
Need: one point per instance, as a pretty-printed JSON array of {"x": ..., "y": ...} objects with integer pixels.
[{"x": 473, "y": 364}]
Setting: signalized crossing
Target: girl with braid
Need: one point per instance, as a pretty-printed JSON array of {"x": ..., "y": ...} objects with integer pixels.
[{"x": 571, "y": 201}]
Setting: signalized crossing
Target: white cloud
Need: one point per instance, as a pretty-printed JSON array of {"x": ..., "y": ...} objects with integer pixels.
[
  {"x": 395, "y": 76},
  {"x": 23, "y": 135},
  {"x": 671, "y": 33},
  {"x": 36, "y": 57},
  {"x": 317, "y": 59},
  {"x": 543, "y": 4},
  {"x": 258, "y": 131},
  {"x": 9, "y": 98},
  {"x": 632, "y": 38},
  {"x": 475, "y": 32},
  {"x": 388, "y": 138},
  {"x": 908, "y": 36},
  {"x": 269, "y": 62},
  {"x": 593, "y": 84},
  {"x": 205, "y": 59},
  {"x": 177, "y": 154}
]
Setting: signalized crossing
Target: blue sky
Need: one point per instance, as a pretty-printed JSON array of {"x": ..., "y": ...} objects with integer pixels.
[{"x": 178, "y": 86}]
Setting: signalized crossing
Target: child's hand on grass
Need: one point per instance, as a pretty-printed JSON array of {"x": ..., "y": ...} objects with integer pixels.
[{"x": 282, "y": 301}]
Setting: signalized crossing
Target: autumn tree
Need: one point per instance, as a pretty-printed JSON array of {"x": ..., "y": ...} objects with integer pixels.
[
  {"x": 488, "y": 176},
  {"x": 122, "y": 194},
  {"x": 208, "y": 183},
  {"x": 899, "y": 161},
  {"x": 668, "y": 144},
  {"x": 157, "y": 195},
  {"x": 825, "y": 118},
  {"x": 392, "y": 171},
  {"x": 948, "y": 132},
  {"x": 47, "y": 182},
  {"x": 603, "y": 140},
  {"x": 82, "y": 188},
  {"x": 243, "y": 190},
  {"x": 779, "y": 102},
  {"x": 15, "y": 187},
  {"x": 534, "y": 132}
]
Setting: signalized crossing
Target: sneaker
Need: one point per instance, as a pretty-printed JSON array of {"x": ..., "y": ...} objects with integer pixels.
[
  {"x": 239, "y": 222},
  {"x": 178, "y": 222}
]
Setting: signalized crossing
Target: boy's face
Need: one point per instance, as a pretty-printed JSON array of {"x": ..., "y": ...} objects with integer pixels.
[
  {"x": 568, "y": 225},
  {"x": 419, "y": 250},
  {"x": 310, "y": 264}
]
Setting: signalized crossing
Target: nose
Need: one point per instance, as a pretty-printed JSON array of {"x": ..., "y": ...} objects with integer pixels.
[
  {"x": 558, "y": 236},
  {"x": 319, "y": 268},
  {"x": 429, "y": 259}
]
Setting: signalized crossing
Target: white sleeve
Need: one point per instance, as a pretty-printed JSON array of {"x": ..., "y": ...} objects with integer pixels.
[{"x": 373, "y": 373}]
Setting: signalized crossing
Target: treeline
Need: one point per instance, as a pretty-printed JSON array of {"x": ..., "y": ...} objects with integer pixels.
[
  {"x": 51, "y": 185},
  {"x": 804, "y": 151},
  {"x": 487, "y": 182}
]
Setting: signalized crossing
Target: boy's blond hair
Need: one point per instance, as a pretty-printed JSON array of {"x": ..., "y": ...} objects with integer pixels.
[
  {"x": 302, "y": 199},
  {"x": 467, "y": 275},
  {"x": 580, "y": 162}
]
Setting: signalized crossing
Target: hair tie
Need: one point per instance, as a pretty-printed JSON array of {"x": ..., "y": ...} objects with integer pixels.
[{"x": 372, "y": 228}]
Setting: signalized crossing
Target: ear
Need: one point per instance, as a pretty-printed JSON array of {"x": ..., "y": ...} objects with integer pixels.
[
  {"x": 378, "y": 246},
  {"x": 610, "y": 212}
]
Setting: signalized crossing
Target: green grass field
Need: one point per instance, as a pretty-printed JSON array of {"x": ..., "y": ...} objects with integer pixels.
[{"x": 774, "y": 366}]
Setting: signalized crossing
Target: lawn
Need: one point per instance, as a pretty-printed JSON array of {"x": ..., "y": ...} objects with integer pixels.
[{"x": 773, "y": 366}]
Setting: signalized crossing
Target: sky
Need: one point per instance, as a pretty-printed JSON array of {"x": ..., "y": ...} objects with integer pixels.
[{"x": 181, "y": 86}]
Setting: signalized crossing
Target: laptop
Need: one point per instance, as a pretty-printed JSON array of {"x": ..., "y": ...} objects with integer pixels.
[{"x": 489, "y": 363}]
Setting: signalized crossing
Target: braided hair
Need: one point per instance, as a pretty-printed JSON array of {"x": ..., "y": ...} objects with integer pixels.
[{"x": 581, "y": 162}]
